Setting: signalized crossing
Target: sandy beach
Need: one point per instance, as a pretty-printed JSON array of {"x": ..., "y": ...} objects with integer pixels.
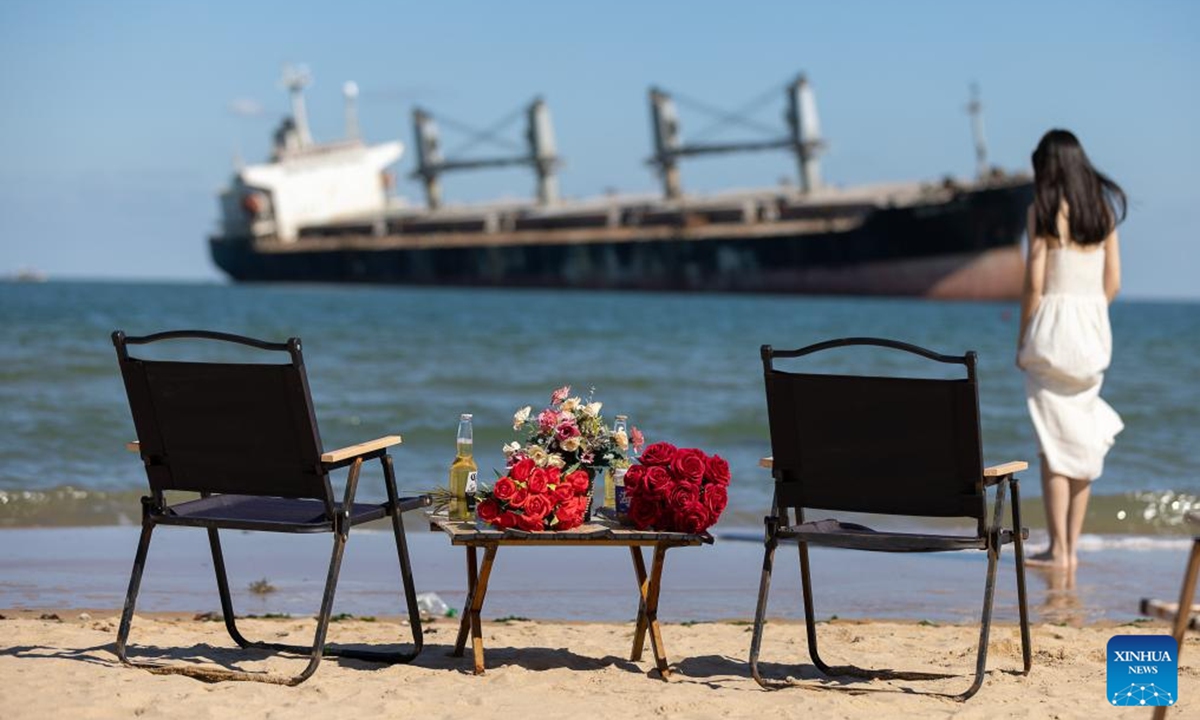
[{"x": 66, "y": 666}]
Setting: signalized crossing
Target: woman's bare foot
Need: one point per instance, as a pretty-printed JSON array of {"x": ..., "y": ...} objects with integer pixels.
[{"x": 1048, "y": 559}]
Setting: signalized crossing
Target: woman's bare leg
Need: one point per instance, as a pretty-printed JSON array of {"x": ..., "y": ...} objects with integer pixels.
[
  {"x": 1056, "y": 496},
  {"x": 1081, "y": 491}
]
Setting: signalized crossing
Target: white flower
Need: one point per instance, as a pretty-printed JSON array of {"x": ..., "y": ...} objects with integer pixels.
[
  {"x": 510, "y": 448},
  {"x": 571, "y": 444},
  {"x": 621, "y": 439},
  {"x": 592, "y": 409},
  {"x": 521, "y": 416},
  {"x": 556, "y": 461},
  {"x": 570, "y": 405},
  {"x": 538, "y": 454}
]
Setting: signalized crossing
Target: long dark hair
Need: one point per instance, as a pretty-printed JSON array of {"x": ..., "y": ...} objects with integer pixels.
[{"x": 1062, "y": 171}]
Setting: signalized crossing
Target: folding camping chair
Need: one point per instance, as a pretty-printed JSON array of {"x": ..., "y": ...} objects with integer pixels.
[
  {"x": 885, "y": 445},
  {"x": 244, "y": 436}
]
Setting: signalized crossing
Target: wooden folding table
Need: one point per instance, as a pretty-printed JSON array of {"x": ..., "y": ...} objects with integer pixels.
[{"x": 600, "y": 532}]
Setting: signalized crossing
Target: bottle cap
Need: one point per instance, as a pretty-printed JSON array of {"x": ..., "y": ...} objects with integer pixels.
[
  {"x": 465, "y": 416},
  {"x": 622, "y": 417}
]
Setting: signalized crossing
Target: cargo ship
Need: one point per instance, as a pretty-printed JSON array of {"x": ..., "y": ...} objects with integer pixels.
[{"x": 325, "y": 212}]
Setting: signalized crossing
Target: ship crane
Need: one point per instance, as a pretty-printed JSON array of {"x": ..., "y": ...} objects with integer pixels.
[
  {"x": 540, "y": 154},
  {"x": 975, "y": 110},
  {"x": 803, "y": 138}
]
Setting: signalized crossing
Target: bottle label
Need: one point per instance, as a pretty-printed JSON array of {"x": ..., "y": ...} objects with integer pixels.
[
  {"x": 472, "y": 488},
  {"x": 622, "y": 500}
]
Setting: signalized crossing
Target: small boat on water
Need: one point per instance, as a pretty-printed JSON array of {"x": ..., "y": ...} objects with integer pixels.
[
  {"x": 324, "y": 212},
  {"x": 30, "y": 274}
]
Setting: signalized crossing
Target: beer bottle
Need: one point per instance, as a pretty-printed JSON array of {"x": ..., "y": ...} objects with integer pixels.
[
  {"x": 615, "y": 473},
  {"x": 463, "y": 473}
]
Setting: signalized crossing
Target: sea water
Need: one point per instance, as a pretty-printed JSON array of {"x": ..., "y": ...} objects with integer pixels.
[{"x": 684, "y": 368}]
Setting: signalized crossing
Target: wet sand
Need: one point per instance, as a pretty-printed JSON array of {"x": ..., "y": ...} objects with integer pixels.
[{"x": 89, "y": 567}]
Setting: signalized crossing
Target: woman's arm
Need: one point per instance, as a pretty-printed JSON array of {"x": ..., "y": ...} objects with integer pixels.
[
  {"x": 1035, "y": 275},
  {"x": 1112, "y": 266}
]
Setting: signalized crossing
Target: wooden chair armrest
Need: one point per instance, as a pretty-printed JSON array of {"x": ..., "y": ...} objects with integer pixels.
[
  {"x": 133, "y": 446},
  {"x": 1007, "y": 468},
  {"x": 767, "y": 462},
  {"x": 352, "y": 451}
]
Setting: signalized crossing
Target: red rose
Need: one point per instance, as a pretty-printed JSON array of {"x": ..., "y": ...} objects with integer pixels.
[
  {"x": 689, "y": 464},
  {"x": 660, "y": 453},
  {"x": 536, "y": 482},
  {"x": 519, "y": 498},
  {"x": 570, "y": 515},
  {"x": 505, "y": 520},
  {"x": 644, "y": 512},
  {"x": 567, "y": 431},
  {"x": 635, "y": 478},
  {"x": 683, "y": 495},
  {"x": 529, "y": 524},
  {"x": 504, "y": 488},
  {"x": 658, "y": 480},
  {"x": 579, "y": 481},
  {"x": 522, "y": 469},
  {"x": 568, "y": 522},
  {"x": 537, "y": 506},
  {"x": 716, "y": 497},
  {"x": 717, "y": 470},
  {"x": 694, "y": 518},
  {"x": 553, "y": 475},
  {"x": 562, "y": 493},
  {"x": 488, "y": 510}
]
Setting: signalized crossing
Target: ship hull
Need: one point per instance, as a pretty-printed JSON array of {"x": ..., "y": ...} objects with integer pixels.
[{"x": 964, "y": 248}]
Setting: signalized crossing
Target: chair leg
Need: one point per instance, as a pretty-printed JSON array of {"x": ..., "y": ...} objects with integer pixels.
[
  {"x": 810, "y": 622},
  {"x": 318, "y": 646},
  {"x": 406, "y": 576},
  {"x": 214, "y": 543},
  {"x": 760, "y": 615},
  {"x": 410, "y": 591},
  {"x": 135, "y": 582},
  {"x": 985, "y": 623},
  {"x": 1022, "y": 602}
]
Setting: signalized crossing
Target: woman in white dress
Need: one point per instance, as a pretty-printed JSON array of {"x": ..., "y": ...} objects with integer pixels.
[{"x": 1072, "y": 273}]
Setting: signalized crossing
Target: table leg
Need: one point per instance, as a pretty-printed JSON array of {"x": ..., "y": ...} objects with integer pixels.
[
  {"x": 464, "y": 624},
  {"x": 648, "y": 608},
  {"x": 639, "y": 632},
  {"x": 485, "y": 571},
  {"x": 652, "y": 589}
]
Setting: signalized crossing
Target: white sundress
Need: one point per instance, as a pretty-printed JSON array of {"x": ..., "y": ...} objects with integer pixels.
[{"x": 1067, "y": 347}]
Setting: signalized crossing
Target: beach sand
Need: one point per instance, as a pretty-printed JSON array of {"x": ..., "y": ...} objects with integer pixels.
[{"x": 66, "y": 668}]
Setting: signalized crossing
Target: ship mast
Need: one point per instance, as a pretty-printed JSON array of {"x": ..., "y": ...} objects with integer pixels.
[
  {"x": 295, "y": 78},
  {"x": 805, "y": 132},
  {"x": 541, "y": 152},
  {"x": 803, "y": 138},
  {"x": 350, "y": 93},
  {"x": 975, "y": 110}
]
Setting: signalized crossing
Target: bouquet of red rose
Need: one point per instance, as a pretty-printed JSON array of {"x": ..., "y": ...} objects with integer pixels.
[
  {"x": 535, "y": 498},
  {"x": 677, "y": 489}
]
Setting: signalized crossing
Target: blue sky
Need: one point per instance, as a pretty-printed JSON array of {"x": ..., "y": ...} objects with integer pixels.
[{"x": 116, "y": 129}]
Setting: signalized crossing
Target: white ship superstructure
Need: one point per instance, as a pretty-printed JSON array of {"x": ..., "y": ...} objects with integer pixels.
[{"x": 307, "y": 183}]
